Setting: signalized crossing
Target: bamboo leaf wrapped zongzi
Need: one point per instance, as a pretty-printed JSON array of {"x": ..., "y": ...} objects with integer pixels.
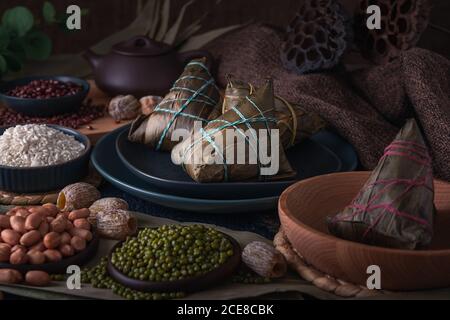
[
  {"x": 241, "y": 144},
  {"x": 395, "y": 206},
  {"x": 193, "y": 97}
]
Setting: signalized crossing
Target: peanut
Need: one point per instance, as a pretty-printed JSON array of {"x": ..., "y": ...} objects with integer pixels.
[
  {"x": 52, "y": 240},
  {"x": 5, "y": 252},
  {"x": 10, "y": 276},
  {"x": 30, "y": 238},
  {"x": 33, "y": 221},
  {"x": 18, "y": 257},
  {"x": 53, "y": 255},
  {"x": 36, "y": 257},
  {"x": 78, "y": 243},
  {"x": 51, "y": 208},
  {"x": 85, "y": 234},
  {"x": 65, "y": 238},
  {"x": 37, "y": 278},
  {"x": 10, "y": 237},
  {"x": 18, "y": 224},
  {"x": 44, "y": 228},
  {"x": 4, "y": 222},
  {"x": 66, "y": 250},
  {"x": 59, "y": 224},
  {"x": 78, "y": 214},
  {"x": 82, "y": 224}
]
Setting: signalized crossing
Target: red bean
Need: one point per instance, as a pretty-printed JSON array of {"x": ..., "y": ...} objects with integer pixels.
[{"x": 44, "y": 89}]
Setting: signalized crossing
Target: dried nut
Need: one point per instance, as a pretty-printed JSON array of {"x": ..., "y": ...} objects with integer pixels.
[
  {"x": 65, "y": 238},
  {"x": 10, "y": 276},
  {"x": 67, "y": 250},
  {"x": 52, "y": 240},
  {"x": 50, "y": 219},
  {"x": 82, "y": 224},
  {"x": 5, "y": 252},
  {"x": 69, "y": 225},
  {"x": 18, "y": 257},
  {"x": 106, "y": 204},
  {"x": 85, "y": 234},
  {"x": 79, "y": 214},
  {"x": 149, "y": 103},
  {"x": 52, "y": 209},
  {"x": 52, "y": 255},
  {"x": 33, "y": 221},
  {"x": 59, "y": 224},
  {"x": 37, "y": 278},
  {"x": 44, "y": 228},
  {"x": 10, "y": 237},
  {"x": 116, "y": 224},
  {"x": 78, "y": 243},
  {"x": 264, "y": 259},
  {"x": 4, "y": 222},
  {"x": 124, "y": 108},
  {"x": 30, "y": 238},
  {"x": 36, "y": 257},
  {"x": 76, "y": 196},
  {"x": 18, "y": 224}
]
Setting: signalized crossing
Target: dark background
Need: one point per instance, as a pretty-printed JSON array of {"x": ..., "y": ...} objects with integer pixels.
[{"x": 109, "y": 16}]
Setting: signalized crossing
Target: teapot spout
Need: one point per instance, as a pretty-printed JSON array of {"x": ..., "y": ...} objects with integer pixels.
[{"x": 93, "y": 58}]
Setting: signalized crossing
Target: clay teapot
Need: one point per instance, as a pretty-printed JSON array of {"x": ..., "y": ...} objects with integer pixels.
[{"x": 140, "y": 66}]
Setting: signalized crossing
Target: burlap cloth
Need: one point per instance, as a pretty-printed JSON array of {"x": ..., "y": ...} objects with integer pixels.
[
  {"x": 292, "y": 286},
  {"x": 367, "y": 106}
]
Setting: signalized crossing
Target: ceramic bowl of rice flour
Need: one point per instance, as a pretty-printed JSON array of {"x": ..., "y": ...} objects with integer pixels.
[{"x": 39, "y": 158}]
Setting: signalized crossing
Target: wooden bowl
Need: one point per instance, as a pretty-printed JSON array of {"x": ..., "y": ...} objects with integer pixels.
[
  {"x": 59, "y": 267},
  {"x": 304, "y": 206},
  {"x": 193, "y": 284}
]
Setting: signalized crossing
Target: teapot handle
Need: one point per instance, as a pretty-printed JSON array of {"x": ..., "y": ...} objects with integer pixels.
[{"x": 187, "y": 56}]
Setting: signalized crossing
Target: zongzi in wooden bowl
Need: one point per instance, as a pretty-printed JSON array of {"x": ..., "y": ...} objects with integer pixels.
[{"x": 304, "y": 208}]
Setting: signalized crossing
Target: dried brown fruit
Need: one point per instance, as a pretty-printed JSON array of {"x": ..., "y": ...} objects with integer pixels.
[
  {"x": 264, "y": 259},
  {"x": 124, "y": 107},
  {"x": 116, "y": 224},
  {"x": 77, "y": 196},
  {"x": 317, "y": 37},
  {"x": 106, "y": 204}
]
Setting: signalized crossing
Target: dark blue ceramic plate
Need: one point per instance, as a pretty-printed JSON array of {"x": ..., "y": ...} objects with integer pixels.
[
  {"x": 109, "y": 165},
  {"x": 44, "y": 107},
  {"x": 308, "y": 158}
]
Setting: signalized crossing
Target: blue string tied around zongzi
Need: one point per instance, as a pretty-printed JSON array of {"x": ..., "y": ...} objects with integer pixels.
[
  {"x": 197, "y": 96},
  {"x": 208, "y": 135}
]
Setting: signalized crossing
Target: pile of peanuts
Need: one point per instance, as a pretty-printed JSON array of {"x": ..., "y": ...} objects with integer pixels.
[{"x": 37, "y": 235}]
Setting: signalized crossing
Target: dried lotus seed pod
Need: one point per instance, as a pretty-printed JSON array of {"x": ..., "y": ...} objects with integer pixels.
[
  {"x": 116, "y": 224},
  {"x": 402, "y": 23},
  {"x": 124, "y": 107},
  {"x": 317, "y": 37},
  {"x": 264, "y": 259},
  {"x": 106, "y": 204},
  {"x": 77, "y": 196}
]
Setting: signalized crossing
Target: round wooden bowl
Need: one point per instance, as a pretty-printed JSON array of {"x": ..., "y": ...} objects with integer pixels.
[
  {"x": 193, "y": 284},
  {"x": 59, "y": 267},
  {"x": 303, "y": 209}
]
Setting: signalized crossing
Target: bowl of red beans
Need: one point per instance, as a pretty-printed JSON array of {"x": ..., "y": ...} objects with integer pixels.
[{"x": 44, "y": 96}]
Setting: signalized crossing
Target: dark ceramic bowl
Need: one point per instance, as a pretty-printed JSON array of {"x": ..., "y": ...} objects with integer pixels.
[
  {"x": 193, "y": 284},
  {"x": 47, "y": 178},
  {"x": 43, "y": 107}
]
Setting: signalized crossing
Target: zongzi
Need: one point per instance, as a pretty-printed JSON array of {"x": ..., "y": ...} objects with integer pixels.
[
  {"x": 294, "y": 122},
  {"x": 395, "y": 206},
  {"x": 193, "y": 97},
  {"x": 241, "y": 144}
]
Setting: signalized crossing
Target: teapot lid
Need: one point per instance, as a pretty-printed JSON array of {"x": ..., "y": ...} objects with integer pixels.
[{"x": 141, "y": 46}]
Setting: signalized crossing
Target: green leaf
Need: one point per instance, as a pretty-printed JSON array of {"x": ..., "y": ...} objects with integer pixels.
[
  {"x": 4, "y": 39},
  {"x": 38, "y": 45},
  {"x": 3, "y": 65},
  {"x": 49, "y": 12},
  {"x": 18, "y": 19},
  {"x": 14, "y": 64}
]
